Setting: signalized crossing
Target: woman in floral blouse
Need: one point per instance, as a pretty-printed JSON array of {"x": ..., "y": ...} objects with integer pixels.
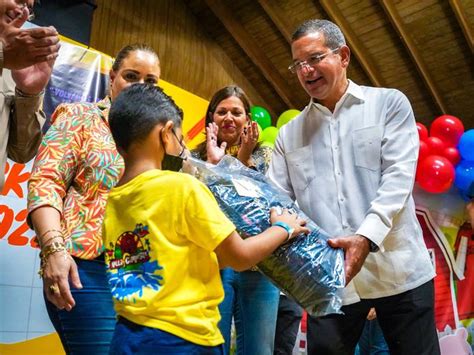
[
  {"x": 76, "y": 166},
  {"x": 249, "y": 297}
]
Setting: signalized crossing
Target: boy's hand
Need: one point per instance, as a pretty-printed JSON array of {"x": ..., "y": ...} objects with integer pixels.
[{"x": 296, "y": 223}]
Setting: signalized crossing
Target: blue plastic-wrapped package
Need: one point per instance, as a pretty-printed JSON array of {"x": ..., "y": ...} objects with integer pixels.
[{"x": 306, "y": 268}]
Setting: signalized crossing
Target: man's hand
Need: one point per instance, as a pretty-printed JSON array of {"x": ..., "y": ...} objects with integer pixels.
[
  {"x": 372, "y": 314},
  {"x": 356, "y": 248},
  {"x": 33, "y": 79},
  {"x": 26, "y": 47}
]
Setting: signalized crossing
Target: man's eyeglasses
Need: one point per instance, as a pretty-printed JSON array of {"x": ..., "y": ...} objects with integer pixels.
[{"x": 310, "y": 62}]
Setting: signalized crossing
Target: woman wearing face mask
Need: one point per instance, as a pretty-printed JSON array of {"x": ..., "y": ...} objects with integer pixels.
[
  {"x": 76, "y": 166},
  {"x": 249, "y": 297}
]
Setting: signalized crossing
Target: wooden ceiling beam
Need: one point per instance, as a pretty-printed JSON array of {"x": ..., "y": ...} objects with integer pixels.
[
  {"x": 414, "y": 53},
  {"x": 274, "y": 11},
  {"x": 356, "y": 46},
  {"x": 460, "y": 14},
  {"x": 252, "y": 49}
]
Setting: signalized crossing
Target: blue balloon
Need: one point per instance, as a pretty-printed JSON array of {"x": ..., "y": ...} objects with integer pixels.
[
  {"x": 466, "y": 145},
  {"x": 465, "y": 195},
  {"x": 464, "y": 175}
]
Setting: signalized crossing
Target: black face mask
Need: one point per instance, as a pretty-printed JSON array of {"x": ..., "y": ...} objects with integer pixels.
[{"x": 172, "y": 162}]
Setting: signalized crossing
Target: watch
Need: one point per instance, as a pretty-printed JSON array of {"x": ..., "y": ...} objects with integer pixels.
[
  {"x": 286, "y": 227},
  {"x": 373, "y": 248}
]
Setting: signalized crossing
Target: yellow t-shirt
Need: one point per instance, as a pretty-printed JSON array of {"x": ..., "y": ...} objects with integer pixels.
[{"x": 160, "y": 232}]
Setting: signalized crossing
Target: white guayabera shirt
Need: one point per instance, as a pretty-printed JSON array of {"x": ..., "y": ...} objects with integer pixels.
[{"x": 352, "y": 172}]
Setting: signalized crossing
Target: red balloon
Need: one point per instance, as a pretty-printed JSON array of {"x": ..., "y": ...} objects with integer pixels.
[
  {"x": 435, "y": 145},
  {"x": 422, "y": 131},
  {"x": 424, "y": 151},
  {"x": 422, "y": 154},
  {"x": 452, "y": 154},
  {"x": 436, "y": 174},
  {"x": 447, "y": 128}
]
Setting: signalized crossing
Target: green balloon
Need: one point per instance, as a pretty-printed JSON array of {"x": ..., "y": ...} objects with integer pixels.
[
  {"x": 269, "y": 134},
  {"x": 261, "y": 116},
  {"x": 287, "y": 116},
  {"x": 267, "y": 144},
  {"x": 260, "y": 130}
]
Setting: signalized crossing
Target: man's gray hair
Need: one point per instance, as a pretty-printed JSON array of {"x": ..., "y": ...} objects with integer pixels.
[{"x": 332, "y": 33}]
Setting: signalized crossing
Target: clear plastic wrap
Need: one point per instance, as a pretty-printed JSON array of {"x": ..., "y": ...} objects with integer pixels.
[{"x": 306, "y": 268}]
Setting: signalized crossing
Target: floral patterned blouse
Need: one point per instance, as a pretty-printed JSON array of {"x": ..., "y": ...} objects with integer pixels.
[{"x": 76, "y": 166}]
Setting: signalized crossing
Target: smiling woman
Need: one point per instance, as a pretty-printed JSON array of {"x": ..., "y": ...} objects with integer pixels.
[{"x": 74, "y": 170}]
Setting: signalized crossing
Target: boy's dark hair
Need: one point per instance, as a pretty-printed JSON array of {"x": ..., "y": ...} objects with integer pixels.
[{"x": 137, "y": 110}]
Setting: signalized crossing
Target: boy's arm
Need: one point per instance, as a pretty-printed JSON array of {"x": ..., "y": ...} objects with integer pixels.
[{"x": 241, "y": 254}]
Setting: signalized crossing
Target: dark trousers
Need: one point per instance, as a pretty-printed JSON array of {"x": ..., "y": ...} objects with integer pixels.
[
  {"x": 407, "y": 322},
  {"x": 288, "y": 322}
]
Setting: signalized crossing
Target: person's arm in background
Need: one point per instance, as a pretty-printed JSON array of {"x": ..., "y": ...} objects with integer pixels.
[
  {"x": 25, "y": 123},
  {"x": 30, "y": 54}
]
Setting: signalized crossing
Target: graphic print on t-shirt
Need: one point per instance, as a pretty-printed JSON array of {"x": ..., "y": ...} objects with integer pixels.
[{"x": 130, "y": 268}]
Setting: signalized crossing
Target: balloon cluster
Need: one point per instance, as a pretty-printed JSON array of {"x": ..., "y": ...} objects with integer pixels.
[
  {"x": 268, "y": 133},
  {"x": 439, "y": 160},
  {"x": 464, "y": 180}
]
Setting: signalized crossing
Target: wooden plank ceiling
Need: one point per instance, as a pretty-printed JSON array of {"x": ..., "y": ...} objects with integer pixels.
[{"x": 423, "y": 48}]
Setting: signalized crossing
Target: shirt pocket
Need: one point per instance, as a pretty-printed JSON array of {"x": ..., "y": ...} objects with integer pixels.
[
  {"x": 300, "y": 167},
  {"x": 396, "y": 264},
  {"x": 367, "y": 147}
]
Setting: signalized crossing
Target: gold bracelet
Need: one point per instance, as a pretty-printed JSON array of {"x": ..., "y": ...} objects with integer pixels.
[
  {"x": 45, "y": 244},
  {"x": 49, "y": 231},
  {"x": 52, "y": 248}
]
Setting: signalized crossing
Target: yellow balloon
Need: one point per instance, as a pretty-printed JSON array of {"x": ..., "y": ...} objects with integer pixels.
[{"x": 286, "y": 117}]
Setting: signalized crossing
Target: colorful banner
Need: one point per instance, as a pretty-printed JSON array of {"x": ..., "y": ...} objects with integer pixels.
[{"x": 79, "y": 74}]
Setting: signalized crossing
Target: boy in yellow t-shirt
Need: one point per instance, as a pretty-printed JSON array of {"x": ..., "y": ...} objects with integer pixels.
[{"x": 166, "y": 238}]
